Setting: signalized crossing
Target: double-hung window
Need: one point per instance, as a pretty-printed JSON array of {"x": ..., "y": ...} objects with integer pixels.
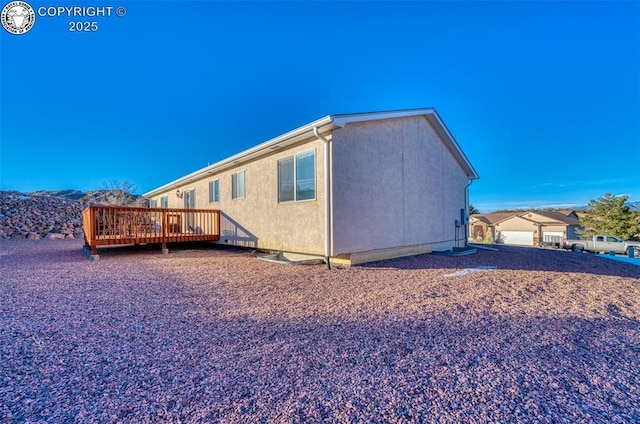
[
  {"x": 164, "y": 202},
  {"x": 237, "y": 185},
  {"x": 214, "y": 191},
  {"x": 297, "y": 177}
]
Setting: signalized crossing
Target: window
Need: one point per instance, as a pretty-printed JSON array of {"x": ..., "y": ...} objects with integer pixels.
[
  {"x": 297, "y": 178},
  {"x": 153, "y": 203},
  {"x": 189, "y": 197},
  {"x": 189, "y": 203},
  {"x": 306, "y": 176},
  {"x": 164, "y": 202},
  {"x": 237, "y": 185},
  {"x": 285, "y": 180},
  {"x": 214, "y": 191}
]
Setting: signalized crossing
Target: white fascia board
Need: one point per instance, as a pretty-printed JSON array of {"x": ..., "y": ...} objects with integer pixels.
[
  {"x": 342, "y": 120},
  {"x": 262, "y": 149}
]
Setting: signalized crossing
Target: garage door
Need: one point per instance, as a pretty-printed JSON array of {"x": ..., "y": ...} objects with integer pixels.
[
  {"x": 517, "y": 237},
  {"x": 552, "y": 237}
]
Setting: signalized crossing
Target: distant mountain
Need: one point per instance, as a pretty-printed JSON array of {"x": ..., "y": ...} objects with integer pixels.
[
  {"x": 634, "y": 206},
  {"x": 65, "y": 194},
  {"x": 93, "y": 197}
]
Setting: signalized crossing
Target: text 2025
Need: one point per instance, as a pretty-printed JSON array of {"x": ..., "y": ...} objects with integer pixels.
[{"x": 83, "y": 26}]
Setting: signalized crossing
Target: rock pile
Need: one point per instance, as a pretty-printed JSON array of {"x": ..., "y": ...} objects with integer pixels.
[{"x": 35, "y": 216}]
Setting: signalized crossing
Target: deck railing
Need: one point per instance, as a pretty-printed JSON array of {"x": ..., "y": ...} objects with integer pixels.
[{"x": 106, "y": 225}]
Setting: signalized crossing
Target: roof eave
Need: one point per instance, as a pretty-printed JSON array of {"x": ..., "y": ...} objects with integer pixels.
[
  {"x": 304, "y": 132},
  {"x": 284, "y": 140}
]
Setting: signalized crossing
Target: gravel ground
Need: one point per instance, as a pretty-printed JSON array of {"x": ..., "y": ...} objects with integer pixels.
[{"x": 214, "y": 335}]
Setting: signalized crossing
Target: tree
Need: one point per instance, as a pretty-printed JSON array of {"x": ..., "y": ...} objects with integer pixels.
[
  {"x": 119, "y": 193},
  {"x": 610, "y": 215},
  {"x": 473, "y": 210}
]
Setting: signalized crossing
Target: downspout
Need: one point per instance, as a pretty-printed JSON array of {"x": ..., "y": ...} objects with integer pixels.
[
  {"x": 466, "y": 205},
  {"x": 327, "y": 199}
]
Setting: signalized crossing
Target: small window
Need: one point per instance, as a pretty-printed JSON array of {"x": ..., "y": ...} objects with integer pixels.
[
  {"x": 286, "y": 192},
  {"x": 306, "y": 176},
  {"x": 237, "y": 185},
  {"x": 214, "y": 191},
  {"x": 297, "y": 178},
  {"x": 153, "y": 203},
  {"x": 164, "y": 202},
  {"x": 599, "y": 238},
  {"x": 189, "y": 197}
]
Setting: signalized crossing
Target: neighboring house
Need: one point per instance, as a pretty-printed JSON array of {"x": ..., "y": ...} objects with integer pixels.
[
  {"x": 531, "y": 228},
  {"x": 352, "y": 188},
  {"x": 482, "y": 226}
]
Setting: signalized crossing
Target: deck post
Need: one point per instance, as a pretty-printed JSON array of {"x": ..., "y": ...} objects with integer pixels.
[
  {"x": 165, "y": 225},
  {"x": 93, "y": 229}
]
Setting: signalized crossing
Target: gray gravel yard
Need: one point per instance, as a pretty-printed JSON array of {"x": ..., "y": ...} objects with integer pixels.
[{"x": 215, "y": 335}]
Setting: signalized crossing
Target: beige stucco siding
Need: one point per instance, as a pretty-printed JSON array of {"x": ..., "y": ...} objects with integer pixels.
[
  {"x": 517, "y": 223},
  {"x": 554, "y": 228},
  {"x": 396, "y": 189},
  {"x": 394, "y": 184},
  {"x": 258, "y": 220}
]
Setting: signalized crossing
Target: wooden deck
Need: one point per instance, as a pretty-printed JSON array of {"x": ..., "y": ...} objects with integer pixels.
[{"x": 110, "y": 225}]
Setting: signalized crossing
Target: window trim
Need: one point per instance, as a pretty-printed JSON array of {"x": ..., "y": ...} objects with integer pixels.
[
  {"x": 191, "y": 195},
  {"x": 294, "y": 159},
  {"x": 244, "y": 185},
  {"x": 214, "y": 191},
  {"x": 291, "y": 159}
]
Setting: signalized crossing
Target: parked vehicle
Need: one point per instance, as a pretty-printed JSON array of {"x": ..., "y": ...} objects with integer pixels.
[{"x": 605, "y": 244}]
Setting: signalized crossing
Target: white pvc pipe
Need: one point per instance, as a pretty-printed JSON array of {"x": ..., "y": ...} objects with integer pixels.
[{"x": 327, "y": 199}]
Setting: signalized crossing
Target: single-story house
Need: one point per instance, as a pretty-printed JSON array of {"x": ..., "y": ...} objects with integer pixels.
[
  {"x": 348, "y": 188},
  {"x": 530, "y": 228}
]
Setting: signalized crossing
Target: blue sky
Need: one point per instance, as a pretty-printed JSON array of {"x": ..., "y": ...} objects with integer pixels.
[{"x": 543, "y": 97}]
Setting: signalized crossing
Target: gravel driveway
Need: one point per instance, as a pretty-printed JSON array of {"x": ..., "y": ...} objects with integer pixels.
[{"x": 215, "y": 335}]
